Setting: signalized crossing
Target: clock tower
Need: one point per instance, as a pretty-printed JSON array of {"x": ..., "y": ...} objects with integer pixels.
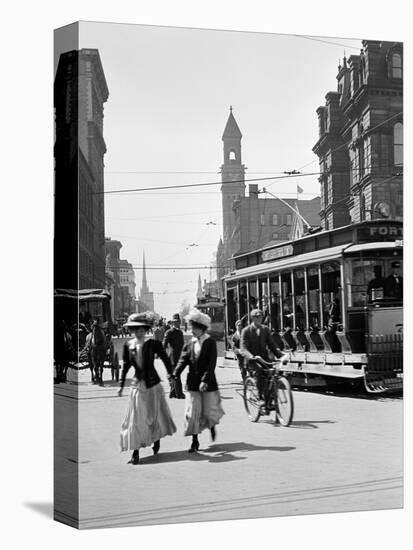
[{"x": 233, "y": 180}]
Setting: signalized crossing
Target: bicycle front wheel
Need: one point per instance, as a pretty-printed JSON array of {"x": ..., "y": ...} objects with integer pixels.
[
  {"x": 251, "y": 399},
  {"x": 284, "y": 405}
]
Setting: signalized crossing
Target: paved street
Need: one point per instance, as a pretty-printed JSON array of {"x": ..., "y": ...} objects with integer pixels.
[{"x": 339, "y": 454}]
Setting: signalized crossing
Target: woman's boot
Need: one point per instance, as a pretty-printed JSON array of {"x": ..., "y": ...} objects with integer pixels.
[
  {"x": 195, "y": 444},
  {"x": 135, "y": 457},
  {"x": 213, "y": 433}
]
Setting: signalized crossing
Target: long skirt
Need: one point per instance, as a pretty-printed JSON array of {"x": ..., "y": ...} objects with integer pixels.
[
  {"x": 202, "y": 410},
  {"x": 147, "y": 419}
]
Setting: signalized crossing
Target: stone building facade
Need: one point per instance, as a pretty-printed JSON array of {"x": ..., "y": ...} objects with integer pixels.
[
  {"x": 80, "y": 92},
  {"x": 127, "y": 285},
  {"x": 360, "y": 145},
  {"x": 112, "y": 252}
]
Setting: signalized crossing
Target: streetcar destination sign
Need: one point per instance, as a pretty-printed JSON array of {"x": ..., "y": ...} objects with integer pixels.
[
  {"x": 381, "y": 232},
  {"x": 277, "y": 253}
]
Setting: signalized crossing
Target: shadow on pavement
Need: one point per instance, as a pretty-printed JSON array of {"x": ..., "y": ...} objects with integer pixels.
[
  {"x": 43, "y": 508},
  {"x": 309, "y": 424},
  {"x": 224, "y": 453}
]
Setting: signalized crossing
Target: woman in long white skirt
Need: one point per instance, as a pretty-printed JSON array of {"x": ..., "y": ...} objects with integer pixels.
[
  {"x": 203, "y": 407},
  {"x": 148, "y": 417}
]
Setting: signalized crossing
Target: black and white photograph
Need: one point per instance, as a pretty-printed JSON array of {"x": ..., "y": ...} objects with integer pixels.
[
  {"x": 228, "y": 275},
  {"x": 204, "y": 274}
]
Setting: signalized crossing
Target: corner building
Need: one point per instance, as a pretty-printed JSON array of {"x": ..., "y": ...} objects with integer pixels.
[{"x": 360, "y": 145}]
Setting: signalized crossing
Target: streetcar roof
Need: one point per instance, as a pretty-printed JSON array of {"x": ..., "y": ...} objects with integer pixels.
[{"x": 317, "y": 256}]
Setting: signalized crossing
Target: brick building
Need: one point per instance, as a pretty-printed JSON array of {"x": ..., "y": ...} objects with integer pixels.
[{"x": 360, "y": 145}]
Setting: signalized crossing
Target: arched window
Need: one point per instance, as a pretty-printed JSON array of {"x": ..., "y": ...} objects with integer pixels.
[
  {"x": 396, "y": 65},
  {"x": 398, "y": 143},
  {"x": 232, "y": 155}
]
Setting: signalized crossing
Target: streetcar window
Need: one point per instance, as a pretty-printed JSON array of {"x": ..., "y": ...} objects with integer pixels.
[
  {"x": 313, "y": 286},
  {"x": 243, "y": 308},
  {"x": 263, "y": 299},
  {"x": 253, "y": 295},
  {"x": 219, "y": 315},
  {"x": 287, "y": 300},
  {"x": 331, "y": 292},
  {"x": 368, "y": 280},
  {"x": 275, "y": 302},
  {"x": 232, "y": 307},
  {"x": 362, "y": 273},
  {"x": 299, "y": 299}
]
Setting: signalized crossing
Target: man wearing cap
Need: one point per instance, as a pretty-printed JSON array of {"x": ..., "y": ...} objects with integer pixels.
[
  {"x": 256, "y": 341},
  {"x": 393, "y": 286},
  {"x": 173, "y": 342}
]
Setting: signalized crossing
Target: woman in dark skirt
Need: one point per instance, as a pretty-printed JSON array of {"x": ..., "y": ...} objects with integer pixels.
[
  {"x": 148, "y": 417},
  {"x": 203, "y": 402}
]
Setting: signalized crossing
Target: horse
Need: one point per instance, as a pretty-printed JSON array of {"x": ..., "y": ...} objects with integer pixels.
[
  {"x": 96, "y": 345},
  {"x": 64, "y": 351}
]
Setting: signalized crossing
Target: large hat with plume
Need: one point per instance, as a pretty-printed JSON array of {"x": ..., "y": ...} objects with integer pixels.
[
  {"x": 144, "y": 319},
  {"x": 196, "y": 316}
]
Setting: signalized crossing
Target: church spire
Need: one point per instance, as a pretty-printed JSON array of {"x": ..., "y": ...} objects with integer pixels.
[
  {"x": 144, "y": 281},
  {"x": 199, "y": 293},
  {"x": 231, "y": 129}
]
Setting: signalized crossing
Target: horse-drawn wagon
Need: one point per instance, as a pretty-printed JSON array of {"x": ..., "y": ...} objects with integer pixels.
[{"x": 83, "y": 331}]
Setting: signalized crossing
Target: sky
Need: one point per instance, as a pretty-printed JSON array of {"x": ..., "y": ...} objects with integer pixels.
[{"x": 170, "y": 90}]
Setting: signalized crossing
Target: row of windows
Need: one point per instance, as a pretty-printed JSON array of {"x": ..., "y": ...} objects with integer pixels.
[
  {"x": 277, "y": 219},
  {"x": 311, "y": 298},
  {"x": 361, "y": 158}
]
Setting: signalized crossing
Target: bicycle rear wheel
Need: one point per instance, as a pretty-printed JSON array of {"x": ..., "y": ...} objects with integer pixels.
[
  {"x": 284, "y": 404},
  {"x": 251, "y": 399}
]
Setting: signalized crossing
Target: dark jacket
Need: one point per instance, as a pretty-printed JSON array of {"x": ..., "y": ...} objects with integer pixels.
[
  {"x": 147, "y": 372},
  {"x": 393, "y": 288},
  {"x": 201, "y": 369},
  {"x": 254, "y": 344},
  {"x": 174, "y": 337}
]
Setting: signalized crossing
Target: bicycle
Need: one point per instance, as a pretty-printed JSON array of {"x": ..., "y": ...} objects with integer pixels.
[{"x": 277, "y": 396}]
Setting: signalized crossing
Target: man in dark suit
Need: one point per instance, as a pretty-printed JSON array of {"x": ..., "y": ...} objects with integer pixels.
[
  {"x": 256, "y": 340},
  {"x": 393, "y": 286},
  {"x": 173, "y": 342}
]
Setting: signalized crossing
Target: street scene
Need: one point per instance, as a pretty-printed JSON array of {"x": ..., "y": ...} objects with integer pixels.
[
  {"x": 228, "y": 305},
  {"x": 251, "y": 470}
]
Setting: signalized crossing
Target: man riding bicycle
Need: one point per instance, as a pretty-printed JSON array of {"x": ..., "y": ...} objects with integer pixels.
[{"x": 256, "y": 340}]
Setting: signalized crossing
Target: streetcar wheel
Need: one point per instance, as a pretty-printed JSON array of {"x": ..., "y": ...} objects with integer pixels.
[
  {"x": 116, "y": 366},
  {"x": 251, "y": 399},
  {"x": 284, "y": 405}
]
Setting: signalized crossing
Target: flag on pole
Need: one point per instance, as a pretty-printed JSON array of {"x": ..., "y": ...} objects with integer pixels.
[{"x": 299, "y": 189}]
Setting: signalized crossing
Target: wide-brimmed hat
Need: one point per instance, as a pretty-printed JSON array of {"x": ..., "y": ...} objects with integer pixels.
[
  {"x": 196, "y": 316},
  {"x": 176, "y": 317},
  {"x": 144, "y": 319},
  {"x": 256, "y": 313}
]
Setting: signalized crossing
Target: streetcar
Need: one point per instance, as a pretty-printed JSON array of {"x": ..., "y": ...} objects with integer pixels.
[
  {"x": 214, "y": 307},
  {"x": 325, "y": 298}
]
